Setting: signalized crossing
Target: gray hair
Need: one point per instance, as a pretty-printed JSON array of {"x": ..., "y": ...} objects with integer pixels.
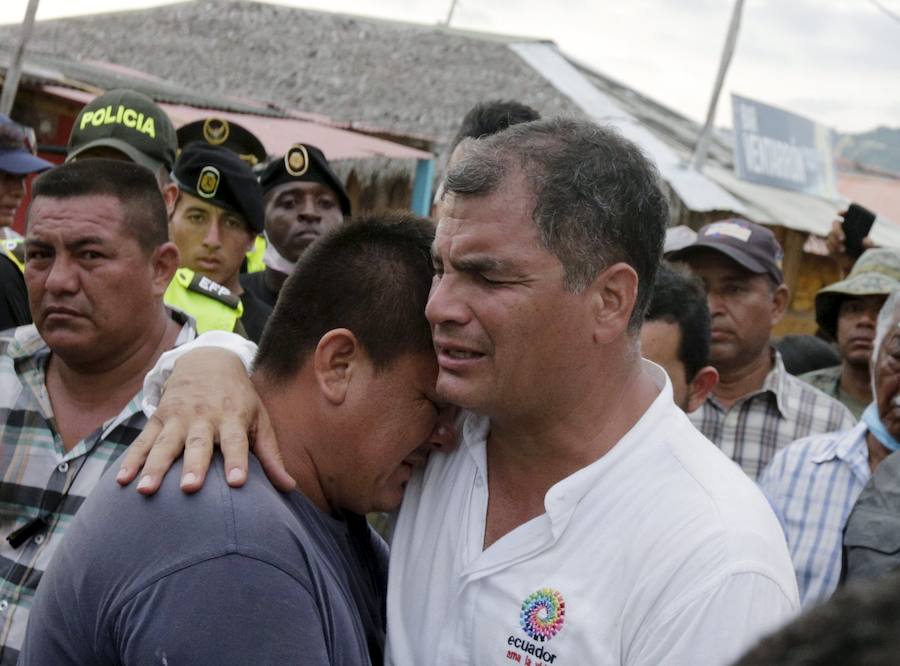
[
  {"x": 598, "y": 199},
  {"x": 886, "y": 318}
]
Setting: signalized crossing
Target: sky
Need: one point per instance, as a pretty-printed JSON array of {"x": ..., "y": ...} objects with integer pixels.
[{"x": 834, "y": 61}]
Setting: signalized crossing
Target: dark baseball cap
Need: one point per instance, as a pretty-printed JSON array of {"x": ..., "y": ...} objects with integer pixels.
[
  {"x": 221, "y": 132},
  {"x": 304, "y": 162},
  {"x": 17, "y": 145},
  {"x": 129, "y": 122},
  {"x": 751, "y": 245},
  {"x": 219, "y": 176}
]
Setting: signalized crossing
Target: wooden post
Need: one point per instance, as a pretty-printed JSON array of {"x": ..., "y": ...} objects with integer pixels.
[{"x": 14, "y": 71}]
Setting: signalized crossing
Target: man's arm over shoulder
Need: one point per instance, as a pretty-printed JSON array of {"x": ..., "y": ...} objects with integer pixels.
[
  {"x": 717, "y": 623},
  {"x": 231, "y": 609}
]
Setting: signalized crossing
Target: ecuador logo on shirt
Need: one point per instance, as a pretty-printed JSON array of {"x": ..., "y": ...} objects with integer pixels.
[{"x": 541, "y": 617}]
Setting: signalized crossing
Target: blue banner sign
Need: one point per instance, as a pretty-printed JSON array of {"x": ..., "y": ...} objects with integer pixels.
[{"x": 781, "y": 149}]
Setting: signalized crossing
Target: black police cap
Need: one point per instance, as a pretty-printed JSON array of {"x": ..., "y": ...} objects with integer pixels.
[
  {"x": 304, "y": 162},
  {"x": 221, "y": 132},
  {"x": 219, "y": 176}
]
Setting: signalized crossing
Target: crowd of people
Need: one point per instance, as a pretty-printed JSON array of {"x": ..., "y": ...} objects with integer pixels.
[{"x": 579, "y": 448}]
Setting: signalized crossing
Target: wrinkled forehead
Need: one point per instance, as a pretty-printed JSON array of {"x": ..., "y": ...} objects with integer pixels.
[{"x": 72, "y": 219}]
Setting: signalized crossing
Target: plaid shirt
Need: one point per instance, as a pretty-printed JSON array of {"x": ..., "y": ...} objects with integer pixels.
[
  {"x": 784, "y": 410},
  {"x": 41, "y": 478},
  {"x": 814, "y": 484}
]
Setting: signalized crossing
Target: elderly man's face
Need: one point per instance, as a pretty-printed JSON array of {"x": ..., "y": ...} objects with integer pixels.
[
  {"x": 508, "y": 335},
  {"x": 887, "y": 379}
]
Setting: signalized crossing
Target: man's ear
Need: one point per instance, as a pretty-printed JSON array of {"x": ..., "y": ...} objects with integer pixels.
[
  {"x": 614, "y": 293},
  {"x": 170, "y": 196},
  {"x": 335, "y": 361},
  {"x": 780, "y": 300},
  {"x": 165, "y": 262},
  {"x": 701, "y": 386}
]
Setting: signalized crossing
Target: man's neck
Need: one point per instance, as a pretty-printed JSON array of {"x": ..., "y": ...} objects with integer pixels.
[
  {"x": 85, "y": 395},
  {"x": 527, "y": 456},
  {"x": 294, "y": 431},
  {"x": 274, "y": 280},
  {"x": 735, "y": 383},
  {"x": 855, "y": 381}
]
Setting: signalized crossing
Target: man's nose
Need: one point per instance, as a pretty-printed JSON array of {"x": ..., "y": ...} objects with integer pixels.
[
  {"x": 62, "y": 278},
  {"x": 446, "y": 302},
  {"x": 309, "y": 210},
  {"x": 716, "y": 303},
  {"x": 213, "y": 237}
]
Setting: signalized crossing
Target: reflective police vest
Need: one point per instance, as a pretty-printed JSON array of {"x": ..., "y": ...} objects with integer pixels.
[
  {"x": 13, "y": 248},
  {"x": 212, "y": 306},
  {"x": 255, "y": 256}
]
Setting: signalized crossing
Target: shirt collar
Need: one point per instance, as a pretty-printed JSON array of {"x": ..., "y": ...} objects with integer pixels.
[
  {"x": 26, "y": 342},
  {"x": 563, "y": 497},
  {"x": 776, "y": 382},
  {"x": 848, "y": 446}
]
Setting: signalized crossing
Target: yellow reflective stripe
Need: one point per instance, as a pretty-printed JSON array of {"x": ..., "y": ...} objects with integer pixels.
[
  {"x": 8, "y": 247},
  {"x": 210, "y": 314},
  {"x": 255, "y": 256}
]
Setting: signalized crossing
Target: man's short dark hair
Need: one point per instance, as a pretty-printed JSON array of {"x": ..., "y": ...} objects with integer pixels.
[
  {"x": 679, "y": 298},
  {"x": 598, "y": 200},
  {"x": 133, "y": 185},
  {"x": 372, "y": 276},
  {"x": 490, "y": 117}
]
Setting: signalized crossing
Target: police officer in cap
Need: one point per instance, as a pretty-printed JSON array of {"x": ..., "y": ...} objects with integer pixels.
[
  {"x": 127, "y": 125},
  {"x": 226, "y": 134},
  {"x": 303, "y": 199},
  {"x": 246, "y": 145},
  {"x": 17, "y": 160},
  {"x": 217, "y": 212}
]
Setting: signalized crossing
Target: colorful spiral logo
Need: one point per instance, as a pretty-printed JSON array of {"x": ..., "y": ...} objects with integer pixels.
[{"x": 543, "y": 614}]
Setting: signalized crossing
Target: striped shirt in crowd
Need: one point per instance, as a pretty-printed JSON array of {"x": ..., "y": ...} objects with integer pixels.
[
  {"x": 813, "y": 484},
  {"x": 39, "y": 477},
  {"x": 784, "y": 410}
]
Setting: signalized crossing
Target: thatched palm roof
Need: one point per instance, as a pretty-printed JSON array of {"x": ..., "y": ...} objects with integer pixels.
[{"x": 406, "y": 78}]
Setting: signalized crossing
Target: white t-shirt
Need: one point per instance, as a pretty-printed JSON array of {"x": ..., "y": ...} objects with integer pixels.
[{"x": 660, "y": 552}]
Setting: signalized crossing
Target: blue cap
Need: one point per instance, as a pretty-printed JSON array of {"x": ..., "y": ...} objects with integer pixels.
[{"x": 16, "y": 156}]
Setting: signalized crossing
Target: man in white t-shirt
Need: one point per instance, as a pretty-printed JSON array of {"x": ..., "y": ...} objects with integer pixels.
[{"x": 583, "y": 519}]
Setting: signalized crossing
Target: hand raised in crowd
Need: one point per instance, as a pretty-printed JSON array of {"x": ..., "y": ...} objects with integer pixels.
[
  {"x": 835, "y": 242},
  {"x": 208, "y": 401}
]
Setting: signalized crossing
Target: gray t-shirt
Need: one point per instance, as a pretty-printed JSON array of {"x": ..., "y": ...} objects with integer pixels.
[{"x": 246, "y": 576}]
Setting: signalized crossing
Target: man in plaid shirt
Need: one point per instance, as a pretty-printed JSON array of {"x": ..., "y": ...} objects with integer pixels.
[
  {"x": 757, "y": 407},
  {"x": 98, "y": 261}
]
